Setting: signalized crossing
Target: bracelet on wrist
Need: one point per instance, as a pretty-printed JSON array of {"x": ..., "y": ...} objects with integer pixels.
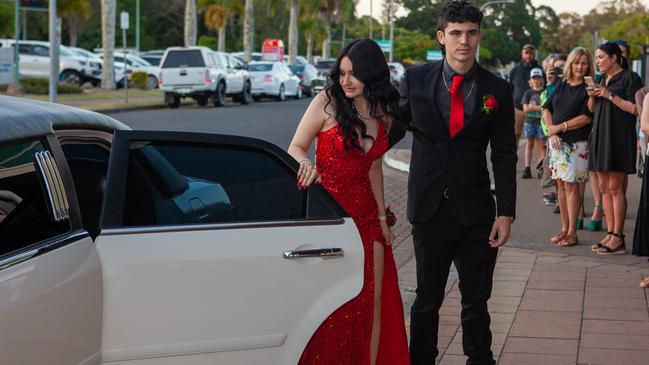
[
  {"x": 305, "y": 160},
  {"x": 565, "y": 126},
  {"x": 383, "y": 218}
]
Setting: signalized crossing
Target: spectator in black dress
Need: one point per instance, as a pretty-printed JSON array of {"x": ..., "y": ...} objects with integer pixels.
[
  {"x": 613, "y": 140},
  {"x": 569, "y": 122},
  {"x": 641, "y": 234}
]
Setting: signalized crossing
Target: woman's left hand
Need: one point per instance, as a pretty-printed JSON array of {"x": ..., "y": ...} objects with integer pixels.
[
  {"x": 387, "y": 233},
  {"x": 555, "y": 142}
]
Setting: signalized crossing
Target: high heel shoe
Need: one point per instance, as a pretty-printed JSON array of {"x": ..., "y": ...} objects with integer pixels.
[
  {"x": 580, "y": 223},
  {"x": 595, "y": 226}
]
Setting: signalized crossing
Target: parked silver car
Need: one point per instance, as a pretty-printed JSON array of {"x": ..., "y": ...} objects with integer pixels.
[
  {"x": 273, "y": 79},
  {"x": 35, "y": 62},
  {"x": 306, "y": 73}
]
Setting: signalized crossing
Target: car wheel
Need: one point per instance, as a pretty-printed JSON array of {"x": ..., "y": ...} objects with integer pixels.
[
  {"x": 256, "y": 98},
  {"x": 71, "y": 77},
  {"x": 174, "y": 102},
  {"x": 298, "y": 94},
  {"x": 218, "y": 97},
  {"x": 151, "y": 82},
  {"x": 246, "y": 94},
  {"x": 202, "y": 100},
  {"x": 281, "y": 95}
]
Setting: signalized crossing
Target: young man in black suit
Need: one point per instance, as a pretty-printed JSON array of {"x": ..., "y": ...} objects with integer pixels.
[{"x": 455, "y": 109}]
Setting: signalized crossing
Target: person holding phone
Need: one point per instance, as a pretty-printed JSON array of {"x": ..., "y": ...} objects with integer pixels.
[
  {"x": 569, "y": 122},
  {"x": 613, "y": 140}
]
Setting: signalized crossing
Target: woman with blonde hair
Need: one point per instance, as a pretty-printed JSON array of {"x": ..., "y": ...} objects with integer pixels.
[{"x": 569, "y": 123}]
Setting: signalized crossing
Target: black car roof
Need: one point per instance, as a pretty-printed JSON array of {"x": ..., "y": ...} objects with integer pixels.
[{"x": 22, "y": 118}]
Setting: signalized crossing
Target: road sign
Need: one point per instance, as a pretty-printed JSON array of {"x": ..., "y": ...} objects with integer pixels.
[
  {"x": 434, "y": 55},
  {"x": 7, "y": 66},
  {"x": 385, "y": 44},
  {"x": 123, "y": 24}
]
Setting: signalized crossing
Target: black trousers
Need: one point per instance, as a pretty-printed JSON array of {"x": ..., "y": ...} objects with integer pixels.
[{"x": 439, "y": 242}]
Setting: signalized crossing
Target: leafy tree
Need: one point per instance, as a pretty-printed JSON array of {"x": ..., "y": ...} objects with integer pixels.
[{"x": 6, "y": 20}]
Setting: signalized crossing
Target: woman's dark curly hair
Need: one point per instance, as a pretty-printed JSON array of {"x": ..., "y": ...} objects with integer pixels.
[{"x": 372, "y": 70}]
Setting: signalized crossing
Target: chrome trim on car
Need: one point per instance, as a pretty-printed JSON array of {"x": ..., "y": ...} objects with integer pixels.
[
  {"x": 54, "y": 185},
  {"x": 222, "y": 226},
  {"x": 39, "y": 158},
  {"x": 325, "y": 253},
  {"x": 42, "y": 248},
  {"x": 10, "y": 261}
]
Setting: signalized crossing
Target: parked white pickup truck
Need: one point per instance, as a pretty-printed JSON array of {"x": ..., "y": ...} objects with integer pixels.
[{"x": 203, "y": 75}]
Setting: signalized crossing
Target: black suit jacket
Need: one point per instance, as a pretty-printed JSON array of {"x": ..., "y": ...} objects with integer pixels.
[{"x": 457, "y": 165}]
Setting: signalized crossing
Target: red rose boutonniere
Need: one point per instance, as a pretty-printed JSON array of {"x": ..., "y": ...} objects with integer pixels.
[{"x": 489, "y": 104}]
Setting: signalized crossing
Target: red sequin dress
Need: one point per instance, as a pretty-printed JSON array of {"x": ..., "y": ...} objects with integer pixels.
[{"x": 344, "y": 337}]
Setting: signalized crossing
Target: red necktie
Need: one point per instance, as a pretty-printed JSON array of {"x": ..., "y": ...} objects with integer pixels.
[{"x": 456, "y": 121}]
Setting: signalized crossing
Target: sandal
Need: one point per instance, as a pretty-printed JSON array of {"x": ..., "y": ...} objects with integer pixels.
[
  {"x": 569, "y": 241},
  {"x": 619, "y": 250},
  {"x": 599, "y": 245},
  {"x": 645, "y": 283},
  {"x": 558, "y": 237}
]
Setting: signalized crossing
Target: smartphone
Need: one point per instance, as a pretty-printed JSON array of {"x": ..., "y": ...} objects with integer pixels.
[
  {"x": 557, "y": 70},
  {"x": 589, "y": 81}
]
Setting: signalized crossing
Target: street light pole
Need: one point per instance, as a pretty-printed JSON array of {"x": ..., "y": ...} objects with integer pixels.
[
  {"x": 137, "y": 25},
  {"x": 391, "y": 15},
  {"x": 54, "y": 52},
  {"x": 371, "y": 21},
  {"x": 484, "y": 6}
]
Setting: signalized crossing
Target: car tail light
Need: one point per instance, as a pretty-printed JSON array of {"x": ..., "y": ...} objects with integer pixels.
[
  {"x": 268, "y": 78},
  {"x": 208, "y": 79},
  {"x": 160, "y": 79}
]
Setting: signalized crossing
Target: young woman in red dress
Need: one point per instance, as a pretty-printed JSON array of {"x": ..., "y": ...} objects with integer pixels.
[{"x": 350, "y": 121}]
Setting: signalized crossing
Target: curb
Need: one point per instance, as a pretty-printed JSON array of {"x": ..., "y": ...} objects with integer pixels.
[
  {"x": 395, "y": 163},
  {"x": 122, "y": 109}
]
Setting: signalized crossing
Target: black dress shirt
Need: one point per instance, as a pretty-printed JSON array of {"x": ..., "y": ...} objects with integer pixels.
[{"x": 469, "y": 92}]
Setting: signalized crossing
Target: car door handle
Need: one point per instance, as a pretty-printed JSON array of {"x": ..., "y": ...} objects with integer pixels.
[{"x": 317, "y": 252}]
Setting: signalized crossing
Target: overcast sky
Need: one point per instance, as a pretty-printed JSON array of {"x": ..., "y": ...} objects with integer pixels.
[{"x": 559, "y": 6}]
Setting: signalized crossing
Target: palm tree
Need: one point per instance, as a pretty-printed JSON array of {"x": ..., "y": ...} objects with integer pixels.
[
  {"x": 248, "y": 30},
  {"x": 74, "y": 13},
  {"x": 190, "y": 23},
  {"x": 293, "y": 32},
  {"x": 108, "y": 42},
  {"x": 217, "y": 15},
  {"x": 312, "y": 30}
]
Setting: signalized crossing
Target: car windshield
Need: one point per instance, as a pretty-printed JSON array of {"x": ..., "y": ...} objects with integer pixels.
[
  {"x": 261, "y": 67},
  {"x": 325, "y": 65},
  {"x": 188, "y": 58},
  {"x": 153, "y": 60},
  {"x": 64, "y": 51},
  {"x": 297, "y": 69}
]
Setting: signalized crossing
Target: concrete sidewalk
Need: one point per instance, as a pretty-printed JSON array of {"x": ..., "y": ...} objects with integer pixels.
[{"x": 549, "y": 305}]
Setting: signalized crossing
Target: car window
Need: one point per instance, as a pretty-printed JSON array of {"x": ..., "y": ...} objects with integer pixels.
[
  {"x": 176, "y": 183},
  {"x": 41, "y": 51},
  {"x": 186, "y": 58},
  {"x": 262, "y": 67},
  {"x": 235, "y": 62},
  {"x": 24, "y": 49},
  {"x": 24, "y": 206}
]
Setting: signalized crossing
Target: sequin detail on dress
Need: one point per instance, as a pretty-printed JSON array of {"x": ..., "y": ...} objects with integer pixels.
[{"x": 344, "y": 337}]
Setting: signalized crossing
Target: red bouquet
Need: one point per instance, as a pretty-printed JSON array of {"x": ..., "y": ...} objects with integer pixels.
[{"x": 390, "y": 218}]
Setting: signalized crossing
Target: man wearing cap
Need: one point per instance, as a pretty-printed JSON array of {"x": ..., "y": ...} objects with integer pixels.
[{"x": 519, "y": 79}]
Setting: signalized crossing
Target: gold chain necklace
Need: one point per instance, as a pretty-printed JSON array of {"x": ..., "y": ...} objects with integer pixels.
[{"x": 449, "y": 90}]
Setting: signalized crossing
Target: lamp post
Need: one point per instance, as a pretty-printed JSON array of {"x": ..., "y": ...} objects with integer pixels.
[{"x": 484, "y": 6}]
